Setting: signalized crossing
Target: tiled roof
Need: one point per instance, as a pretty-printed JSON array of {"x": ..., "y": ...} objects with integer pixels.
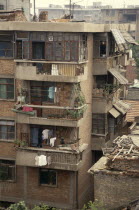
[{"x": 134, "y": 110}]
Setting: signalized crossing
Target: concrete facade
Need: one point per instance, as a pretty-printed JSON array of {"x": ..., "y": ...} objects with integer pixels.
[{"x": 53, "y": 82}]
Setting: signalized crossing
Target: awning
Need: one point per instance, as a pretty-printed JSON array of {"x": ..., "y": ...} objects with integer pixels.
[
  {"x": 122, "y": 80},
  {"x": 121, "y": 106},
  {"x": 129, "y": 38},
  {"x": 119, "y": 39},
  {"x": 114, "y": 113}
]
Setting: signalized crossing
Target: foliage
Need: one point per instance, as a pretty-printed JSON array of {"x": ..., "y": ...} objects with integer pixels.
[
  {"x": 20, "y": 143},
  {"x": 96, "y": 205},
  {"x": 18, "y": 206},
  {"x": 44, "y": 207},
  {"x": 22, "y": 206}
]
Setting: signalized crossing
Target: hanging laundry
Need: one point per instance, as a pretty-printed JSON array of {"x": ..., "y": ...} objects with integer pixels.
[
  {"x": 52, "y": 141},
  {"x": 45, "y": 134},
  {"x": 40, "y": 160},
  {"x": 37, "y": 160},
  {"x": 51, "y": 92}
]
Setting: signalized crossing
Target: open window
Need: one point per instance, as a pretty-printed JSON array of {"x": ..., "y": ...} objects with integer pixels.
[
  {"x": 48, "y": 177},
  {"x": 102, "y": 48},
  {"x": 7, "y": 170},
  {"x": 38, "y": 50}
]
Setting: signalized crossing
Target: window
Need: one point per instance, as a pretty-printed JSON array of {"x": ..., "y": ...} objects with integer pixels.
[
  {"x": 48, "y": 177},
  {"x": 6, "y": 88},
  {"x": 38, "y": 50},
  {"x": 42, "y": 92},
  {"x": 98, "y": 123},
  {"x": 7, "y": 170},
  {"x": 7, "y": 129},
  {"x": 1, "y": 7},
  {"x": 6, "y": 49},
  {"x": 102, "y": 48}
]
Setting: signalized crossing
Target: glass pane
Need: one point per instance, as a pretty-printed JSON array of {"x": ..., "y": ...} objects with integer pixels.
[
  {"x": 3, "y": 81},
  {"x": 3, "y": 132},
  {"x": 3, "y": 93}
]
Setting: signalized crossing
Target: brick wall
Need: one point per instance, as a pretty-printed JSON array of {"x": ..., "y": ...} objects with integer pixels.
[{"x": 115, "y": 190}]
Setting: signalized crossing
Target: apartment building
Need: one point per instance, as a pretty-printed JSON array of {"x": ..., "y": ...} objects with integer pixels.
[
  {"x": 60, "y": 85},
  {"x": 16, "y": 4}
]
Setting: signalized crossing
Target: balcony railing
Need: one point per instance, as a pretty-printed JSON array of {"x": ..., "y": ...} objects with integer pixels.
[
  {"x": 66, "y": 160},
  {"x": 49, "y": 72}
]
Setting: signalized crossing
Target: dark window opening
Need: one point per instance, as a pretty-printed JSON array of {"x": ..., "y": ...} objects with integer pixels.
[
  {"x": 102, "y": 48},
  {"x": 7, "y": 130},
  {"x": 7, "y": 170},
  {"x": 48, "y": 177},
  {"x": 38, "y": 50},
  {"x": 6, "y": 88},
  {"x": 97, "y": 154},
  {"x": 1, "y": 7},
  {"x": 19, "y": 49},
  {"x": 37, "y": 137}
]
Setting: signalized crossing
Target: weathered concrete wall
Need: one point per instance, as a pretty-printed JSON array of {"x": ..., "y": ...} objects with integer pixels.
[{"x": 115, "y": 190}]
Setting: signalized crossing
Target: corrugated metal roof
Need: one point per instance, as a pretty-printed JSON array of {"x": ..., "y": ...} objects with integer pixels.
[
  {"x": 121, "y": 106},
  {"x": 129, "y": 38},
  {"x": 119, "y": 39},
  {"x": 114, "y": 113},
  {"x": 122, "y": 80},
  {"x": 134, "y": 110}
]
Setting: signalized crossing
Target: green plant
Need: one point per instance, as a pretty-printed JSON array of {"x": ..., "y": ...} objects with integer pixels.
[
  {"x": 96, "y": 205},
  {"x": 18, "y": 206},
  {"x": 20, "y": 143}
]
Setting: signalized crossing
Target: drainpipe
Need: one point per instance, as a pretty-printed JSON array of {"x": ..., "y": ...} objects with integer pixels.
[
  {"x": 76, "y": 179},
  {"x": 34, "y": 7}
]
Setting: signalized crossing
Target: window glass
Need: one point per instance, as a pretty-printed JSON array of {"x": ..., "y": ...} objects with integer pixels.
[
  {"x": 7, "y": 130},
  {"x": 7, "y": 170},
  {"x": 6, "y": 49},
  {"x": 6, "y": 88},
  {"x": 48, "y": 177}
]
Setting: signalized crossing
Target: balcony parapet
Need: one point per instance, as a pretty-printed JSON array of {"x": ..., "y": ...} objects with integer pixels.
[
  {"x": 58, "y": 159},
  {"x": 58, "y": 72}
]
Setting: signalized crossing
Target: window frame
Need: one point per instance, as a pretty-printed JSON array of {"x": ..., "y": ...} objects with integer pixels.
[
  {"x": 14, "y": 133},
  {"x": 48, "y": 185},
  {"x": 8, "y": 165},
  {"x": 8, "y": 99}
]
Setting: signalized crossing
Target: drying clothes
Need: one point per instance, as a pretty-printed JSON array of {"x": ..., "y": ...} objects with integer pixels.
[
  {"x": 49, "y": 161},
  {"x": 52, "y": 141},
  {"x": 51, "y": 92},
  {"x": 45, "y": 134},
  {"x": 50, "y": 133},
  {"x": 40, "y": 160}
]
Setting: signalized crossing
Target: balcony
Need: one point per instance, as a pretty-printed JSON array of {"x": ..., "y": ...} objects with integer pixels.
[
  {"x": 50, "y": 115},
  {"x": 57, "y": 72},
  {"x": 64, "y": 160}
]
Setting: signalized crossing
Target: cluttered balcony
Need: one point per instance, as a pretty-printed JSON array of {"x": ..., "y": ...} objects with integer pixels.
[
  {"x": 49, "y": 146},
  {"x": 50, "y": 104},
  {"x": 46, "y": 71}
]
